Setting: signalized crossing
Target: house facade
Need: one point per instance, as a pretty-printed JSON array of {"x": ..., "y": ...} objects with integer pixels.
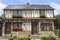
[{"x": 28, "y": 20}]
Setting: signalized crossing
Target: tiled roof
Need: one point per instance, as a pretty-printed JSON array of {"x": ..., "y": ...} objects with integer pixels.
[{"x": 28, "y": 7}]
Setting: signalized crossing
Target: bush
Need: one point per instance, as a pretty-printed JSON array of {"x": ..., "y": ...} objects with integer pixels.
[
  {"x": 43, "y": 38},
  {"x": 17, "y": 16},
  {"x": 19, "y": 38},
  {"x": 48, "y": 38},
  {"x": 12, "y": 37},
  {"x": 57, "y": 33},
  {"x": 51, "y": 38}
]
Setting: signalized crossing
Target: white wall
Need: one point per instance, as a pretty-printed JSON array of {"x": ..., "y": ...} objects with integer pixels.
[
  {"x": 26, "y": 26},
  {"x": 30, "y": 13},
  {"x": 25, "y": 14},
  {"x": 49, "y": 13},
  {"x": 8, "y": 14}
]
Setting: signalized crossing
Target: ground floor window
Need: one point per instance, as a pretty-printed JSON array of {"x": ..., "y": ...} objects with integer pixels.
[
  {"x": 14, "y": 24},
  {"x": 45, "y": 27},
  {"x": 17, "y": 26}
]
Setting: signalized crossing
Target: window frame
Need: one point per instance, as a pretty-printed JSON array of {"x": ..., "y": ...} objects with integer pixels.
[
  {"x": 19, "y": 12},
  {"x": 16, "y": 12},
  {"x": 45, "y": 27}
]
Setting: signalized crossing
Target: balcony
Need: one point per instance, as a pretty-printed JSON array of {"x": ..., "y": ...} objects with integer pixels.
[
  {"x": 16, "y": 16},
  {"x": 42, "y": 16}
]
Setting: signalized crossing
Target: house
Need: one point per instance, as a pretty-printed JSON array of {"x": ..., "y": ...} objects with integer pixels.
[{"x": 28, "y": 20}]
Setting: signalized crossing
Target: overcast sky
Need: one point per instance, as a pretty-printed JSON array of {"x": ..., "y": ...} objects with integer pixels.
[{"x": 54, "y": 3}]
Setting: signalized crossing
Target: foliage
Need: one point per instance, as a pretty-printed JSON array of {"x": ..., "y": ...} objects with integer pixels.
[
  {"x": 48, "y": 38},
  {"x": 51, "y": 38},
  {"x": 19, "y": 38},
  {"x": 14, "y": 16},
  {"x": 57, "y": 33},
  {"x": 57, "y": 25},
  {"x": 57, "y": 21},
  {"x": 43, "y": 38}
]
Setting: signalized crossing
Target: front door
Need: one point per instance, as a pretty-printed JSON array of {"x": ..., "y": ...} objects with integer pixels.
[
  {"x": 7, "y": 27},
  {"x": 34, "y": 28}
]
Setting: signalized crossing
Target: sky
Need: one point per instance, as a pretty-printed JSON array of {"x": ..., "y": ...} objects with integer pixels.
[{"x": 53, "y": 3}]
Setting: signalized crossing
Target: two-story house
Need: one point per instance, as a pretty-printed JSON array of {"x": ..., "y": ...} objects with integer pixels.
[{"x": 28, "y": 20}]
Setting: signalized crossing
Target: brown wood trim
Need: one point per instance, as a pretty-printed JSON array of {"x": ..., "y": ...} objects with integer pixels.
[{"x": 26, "y": 18}]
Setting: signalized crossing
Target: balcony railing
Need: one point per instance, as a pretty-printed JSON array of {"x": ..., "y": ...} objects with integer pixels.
[
  {"x": 16, "y": 16},
  {"x": 42, "y": 16}
]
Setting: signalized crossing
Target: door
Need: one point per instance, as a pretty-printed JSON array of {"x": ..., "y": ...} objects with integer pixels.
[
  {"x": 34, "y": 28},
  {"x": 7, "y": 27}
]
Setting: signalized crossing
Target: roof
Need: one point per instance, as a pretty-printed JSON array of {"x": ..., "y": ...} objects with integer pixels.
[{"x": 28, "y": 7}]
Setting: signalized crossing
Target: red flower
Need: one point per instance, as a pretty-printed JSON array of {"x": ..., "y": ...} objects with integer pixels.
[{"x": 16, "y": 28}]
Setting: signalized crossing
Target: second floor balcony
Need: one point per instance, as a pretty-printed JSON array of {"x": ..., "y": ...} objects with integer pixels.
[{"x": 17, "y": 16}]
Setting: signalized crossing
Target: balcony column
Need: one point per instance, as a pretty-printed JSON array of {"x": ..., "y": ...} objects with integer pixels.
[
  {"x": 53, "y": 27},
  {"x": 3, "y": 29},
  {"x": 39, "y": 29},
  {"x": 11, "y": 28}
]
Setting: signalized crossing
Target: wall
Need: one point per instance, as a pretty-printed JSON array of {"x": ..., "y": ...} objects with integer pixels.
[
  {"x": 49, "y": 13},
  {"x": 8, "y": 14},
  {"x": 26, "y": 26},
  {"x": 30, "y": 13}
]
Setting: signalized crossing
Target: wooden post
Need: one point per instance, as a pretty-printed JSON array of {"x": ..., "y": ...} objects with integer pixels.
[
  {"x": 3, "y": 29},
  {"x": 11, "y": 29},
  {"x": 53, "y": 28},
  {"x": 39, "y": 27}
]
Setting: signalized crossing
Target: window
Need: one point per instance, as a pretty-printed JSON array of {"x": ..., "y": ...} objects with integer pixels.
[
  {"x": 45, "y": 27},
  {"x": 19, "y": 12},
  {"x": 14, "y": 24},
  {"x": 15, "y": 12},
  {"x": 42, "y": 11},
  {"x": 19, "y": 24}
]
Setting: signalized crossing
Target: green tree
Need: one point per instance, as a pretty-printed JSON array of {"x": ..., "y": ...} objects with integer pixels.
[
  {"x": 57, "y": 21},
  {"x": 57, "y": 25}
]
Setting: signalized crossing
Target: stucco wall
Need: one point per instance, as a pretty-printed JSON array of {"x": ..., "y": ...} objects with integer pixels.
[
  {"x": 26, "y": 26},
  {"x": 49, "y": 13},
  {"x": 30, "y": 13}
]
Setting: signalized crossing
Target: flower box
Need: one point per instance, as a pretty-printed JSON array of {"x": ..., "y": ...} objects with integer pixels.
[
  {"x": 17, "y": 28},
  {"x": 17, "y": 16}
]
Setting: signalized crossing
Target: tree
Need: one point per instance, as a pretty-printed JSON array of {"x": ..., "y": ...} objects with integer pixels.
[
  {"x": 57, "y": 25},
  {"x": 57, "y": 21}
]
